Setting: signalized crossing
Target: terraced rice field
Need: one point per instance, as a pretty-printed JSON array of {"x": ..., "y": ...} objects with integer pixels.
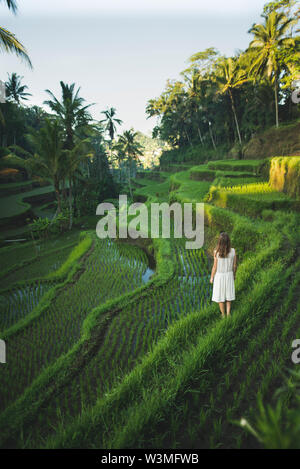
[
  {"x": 14, "y": 205},
  {"x": 136, "y": 355},
  {"x": 17, "y": 303},
  {"x": 24, "y": 267},
  {"x": 37, "y": 267},
  {"x": 107, "y": 272},
  {"x": 133, "y": 333}
]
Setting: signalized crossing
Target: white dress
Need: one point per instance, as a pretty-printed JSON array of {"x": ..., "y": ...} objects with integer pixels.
[{"x": 223, "y": 287}]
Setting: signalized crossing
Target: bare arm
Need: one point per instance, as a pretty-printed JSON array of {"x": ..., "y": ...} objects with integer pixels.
[{"x": 214, "y": 268}]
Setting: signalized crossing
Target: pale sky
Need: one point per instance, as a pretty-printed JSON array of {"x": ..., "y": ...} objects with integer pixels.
[{"x": 121, "y": 52}]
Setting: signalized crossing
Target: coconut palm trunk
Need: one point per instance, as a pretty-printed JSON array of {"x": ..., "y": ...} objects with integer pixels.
[
  {"x": 276, "y": 102},
  {"x": 58, "y": 196},
  {"x": 199, "y": 131},
  {"x": 200, "y": 136},
  {"x": 120, "y": 171},
  {"x": 129, "y": 179},
  {"x": 70, "y": 203},
  {"x": 212, "y": 137},
  {"x": 235, "y": 116},
  {"x": 188, "y": 137}
]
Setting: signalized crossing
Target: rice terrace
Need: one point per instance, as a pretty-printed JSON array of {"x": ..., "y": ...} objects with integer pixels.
[{"x": 117, "y": 341}]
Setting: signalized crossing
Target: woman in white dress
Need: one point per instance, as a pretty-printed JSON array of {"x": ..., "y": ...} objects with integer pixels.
[{"x": 223, "y": 274}]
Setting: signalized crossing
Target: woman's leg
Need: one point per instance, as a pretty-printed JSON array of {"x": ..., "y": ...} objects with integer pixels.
[
  {"x": 222, "y": 309},
  {"x": 228, "y": 307}
]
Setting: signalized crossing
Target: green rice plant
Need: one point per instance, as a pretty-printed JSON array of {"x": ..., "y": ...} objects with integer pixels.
[
  {"x": 221, "y": 181},
  {"x": 236, "y": 165},
  {"x": 109, "y": 275},
  {"x": 20, "y": 302},
  {"x": 23, "y": 254},
  {"x": 37, "y": 268}
]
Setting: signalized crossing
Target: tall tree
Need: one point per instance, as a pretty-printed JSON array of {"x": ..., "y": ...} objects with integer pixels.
[
  {"x": 15, "y": 91},
  {"x": 110, "y": 122},
  {"x": 195, "y": 94},
  {"x": 74, "y": 158},
  {"x": 70, "y": 110},
  {"x": 8, "y": 41},
  {"x": 118, "y": 156},
  {"x": 264, "y": 49},
  {"x": 48, "y": 159},
  {"x": 230, "y": 76},
  {"x": 132, "y": 149}
]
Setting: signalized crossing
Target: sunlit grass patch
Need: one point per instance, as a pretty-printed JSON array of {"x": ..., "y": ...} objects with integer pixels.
[{"x": 255, "y": 188}]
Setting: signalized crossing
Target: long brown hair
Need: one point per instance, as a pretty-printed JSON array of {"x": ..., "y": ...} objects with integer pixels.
[{"x": 224, "y": 245}]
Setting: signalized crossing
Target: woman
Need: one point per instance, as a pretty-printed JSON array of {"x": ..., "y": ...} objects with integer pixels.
[{"x": 223, "y": 274}]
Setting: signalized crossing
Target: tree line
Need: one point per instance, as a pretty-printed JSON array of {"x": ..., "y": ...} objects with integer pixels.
[
  {"x": 222, "y": 101},
  {"x": 67, "y": 146}
]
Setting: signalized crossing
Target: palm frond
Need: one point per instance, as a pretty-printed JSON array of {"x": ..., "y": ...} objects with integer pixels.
[
  {"x": 11, "y": 4},
  {"x": 9, "y": 43}
]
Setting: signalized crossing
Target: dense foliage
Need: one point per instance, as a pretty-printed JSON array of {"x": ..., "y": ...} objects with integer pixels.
[{"x": 221, "y": 101}]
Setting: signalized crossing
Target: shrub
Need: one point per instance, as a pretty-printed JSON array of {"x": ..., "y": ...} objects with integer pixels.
[{"x": 43, "y": 227}]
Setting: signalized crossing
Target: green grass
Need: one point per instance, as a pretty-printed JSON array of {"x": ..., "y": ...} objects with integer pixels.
[
  {"x": 182, "y": 187},
  {"x": 151, "y": 188},
  {"x": 236, "y": 165}
]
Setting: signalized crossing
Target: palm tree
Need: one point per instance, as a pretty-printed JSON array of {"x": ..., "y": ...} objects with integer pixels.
[
  {"x": 132, "y": 149},
  {"x": 269, "y": 38},
  {"x": 48, "y": 159},
  {"x": 12, "y": 5},
  {"x": 230, "y": 76},
  {"x": 79, "y": 153},
  {"x": 110, "y": 123},
  {"x": 118, "y": 155},
  {"x": 9, "y": 42},
  {"x": 70, "y": 110},
  {"x": 15, "y": 90},
  {"x": 194, "y": 94}
]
